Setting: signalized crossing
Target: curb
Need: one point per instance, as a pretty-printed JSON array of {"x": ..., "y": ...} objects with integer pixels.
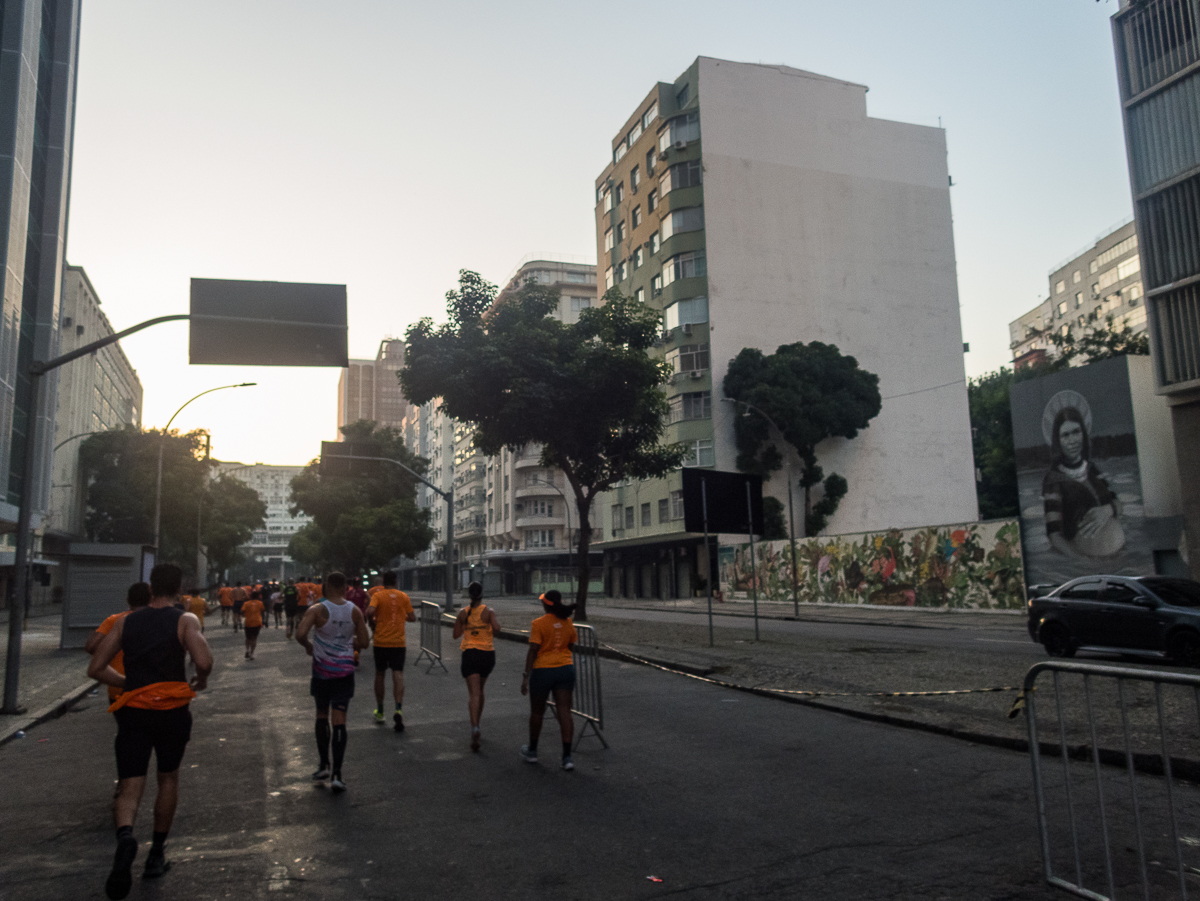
[{"x": 51, "y": 711}]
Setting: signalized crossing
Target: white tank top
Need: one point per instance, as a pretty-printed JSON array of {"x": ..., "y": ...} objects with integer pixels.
[{"x": 333, "y": 643}]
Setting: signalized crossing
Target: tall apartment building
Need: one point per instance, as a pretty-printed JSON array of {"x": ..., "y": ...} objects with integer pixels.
[
  {"x": 369, "y": 389},
  {"x": 96, "y": 393},
  {"x": 759, "y": 205},
  {"x": 266, "y": 554},
  {"x": 39, "y": 42},
  {"x": 1157, "y": 52},
  {"x": 1103, "y": 281},
  {"x": 429, "y": 433}
]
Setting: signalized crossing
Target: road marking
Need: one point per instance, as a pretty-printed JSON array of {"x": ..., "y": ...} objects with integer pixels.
[{"x": 1005, "y": 641}]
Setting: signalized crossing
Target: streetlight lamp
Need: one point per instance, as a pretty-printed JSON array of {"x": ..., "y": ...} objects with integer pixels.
[
  {"x": 791, "y": 515},
  {"x": 162, "y": 443}
]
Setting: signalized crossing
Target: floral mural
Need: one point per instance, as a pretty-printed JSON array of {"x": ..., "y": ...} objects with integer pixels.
[{"x": 975, "y": 565}]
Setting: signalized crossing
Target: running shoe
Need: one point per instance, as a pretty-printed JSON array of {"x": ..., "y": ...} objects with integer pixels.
[
  {"x": 156, "y": 865},
  {"x": 398, "y": 721},
  {"x": 322, "y": 773},
  {"x": 567, "y": 763},
  {"x": 474, "y": 739},
  {"x": 120, "y": 880},
  {"x": 378, "y": 714},
  {"x": 336, "y": 784},
  {"x": 527, "y": 755}
]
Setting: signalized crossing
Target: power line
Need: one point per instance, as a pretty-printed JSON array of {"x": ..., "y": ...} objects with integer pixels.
[{"x": 923, "y": 390}]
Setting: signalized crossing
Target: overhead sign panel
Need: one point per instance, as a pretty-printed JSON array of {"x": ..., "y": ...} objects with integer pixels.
[
  {"x": 334, "y": 460},
  {"x": 267, "y": 323},
  {"x": 728, "y": 510}
]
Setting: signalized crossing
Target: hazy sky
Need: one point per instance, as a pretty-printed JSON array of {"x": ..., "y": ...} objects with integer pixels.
[{"x": 386, "y": 144}]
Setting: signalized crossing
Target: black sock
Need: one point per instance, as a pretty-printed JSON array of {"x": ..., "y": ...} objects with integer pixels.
[
  {"x": 566, "y": 749},
  {"x": 339, "y": 748},
  {"x": 160, "y": 839},
  {"x": 123, "y": 831},
  {"x": 533, "y": 747},
  {"x": 323, "y": 741}
]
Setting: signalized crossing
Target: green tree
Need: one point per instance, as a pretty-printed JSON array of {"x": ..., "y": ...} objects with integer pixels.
[
  {"x": 812, "y": 392},
  {"x": 992, "y": 444},
  {"x": 1099, "y": 342},
  {"x": 774, "y": 523},
  {"x": 588, "y": 393},
  {"x": 232, "y": 511},
  {"x": 364, "y": 518}
]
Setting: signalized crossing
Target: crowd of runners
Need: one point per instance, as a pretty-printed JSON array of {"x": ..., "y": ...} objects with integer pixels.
[{"x": 141, "y": 655}]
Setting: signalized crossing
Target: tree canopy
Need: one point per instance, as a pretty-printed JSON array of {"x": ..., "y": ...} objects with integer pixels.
[
  {"x": 1100, "y": 342},
  {"x": 364, "y": 518},
  {"x": 812, "y": 392},
  {"x": 588, "y": 393},
  {"x": 232, "y": 511}
]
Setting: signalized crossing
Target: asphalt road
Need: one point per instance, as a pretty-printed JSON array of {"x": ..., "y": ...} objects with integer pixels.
[{"x": 718, "y": 794}]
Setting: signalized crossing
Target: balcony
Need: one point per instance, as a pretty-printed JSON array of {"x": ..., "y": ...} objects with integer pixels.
[
  {"x": 536, "y": 491},
  {"x": 532, "y": 521}
]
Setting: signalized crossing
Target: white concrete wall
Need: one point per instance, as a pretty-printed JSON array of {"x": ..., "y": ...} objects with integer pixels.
[
  {"x": 825, "y": 225},
  {"x": 1155, "y": 441}
]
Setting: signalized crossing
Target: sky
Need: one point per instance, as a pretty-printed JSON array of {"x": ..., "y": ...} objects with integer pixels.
[{"x": 387, "y": 144}]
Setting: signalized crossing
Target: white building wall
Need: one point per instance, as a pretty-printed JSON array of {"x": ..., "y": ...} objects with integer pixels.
[
  {"x": 825, "y": 225},
  {"x": 1157, "y": 462}
]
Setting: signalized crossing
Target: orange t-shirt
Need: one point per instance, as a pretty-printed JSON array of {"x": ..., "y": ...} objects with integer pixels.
[
  {"x": 306, "y": 593},
  {"x": 477, "y": 630},
  {"x": 554, "y": 637},
  {"x": 198, "y": 607},
  {"x": 118, "y": 662},
  {"x": 252, "y": 612},
  {"x": 226, "y": 596},
  {"x": 392, "y": 608}
]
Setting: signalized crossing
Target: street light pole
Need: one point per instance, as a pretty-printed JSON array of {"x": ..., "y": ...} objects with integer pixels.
[
  {"x": 791, "y": 514},
  {"x": 162, "y": 443}
]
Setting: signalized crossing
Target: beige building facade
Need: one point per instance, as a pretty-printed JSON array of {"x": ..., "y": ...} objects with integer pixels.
[{"x": 369, "y": 389}]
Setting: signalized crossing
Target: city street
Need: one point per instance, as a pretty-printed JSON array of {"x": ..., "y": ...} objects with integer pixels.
[{"x": 718, "y": 794}]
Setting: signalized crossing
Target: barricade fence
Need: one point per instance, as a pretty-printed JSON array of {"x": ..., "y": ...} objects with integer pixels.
[
  {"x": 431, "y": 636},
  {"x": 587, "y": 702},
  {"x": 1126, "y": 831}
]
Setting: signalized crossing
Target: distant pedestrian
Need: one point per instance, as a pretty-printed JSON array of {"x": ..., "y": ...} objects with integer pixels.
[
  {"x": 137, "y": 596},
  {"x": 240, "y": 595},
  {"x": 390, "y": 611},
  {"x": 356, "y": 595},
  {"x": 197, "y": 606},
  {"x": 337, "y": 629},
  {"x": 550, "y": 670},
  {"x": 252, "y": 620},
  {"x": 476, "y": 625},
  {"x": 225, "y": 597},
  {"x": 152, "y": 714},
  {"x": 277, "y": 605}
]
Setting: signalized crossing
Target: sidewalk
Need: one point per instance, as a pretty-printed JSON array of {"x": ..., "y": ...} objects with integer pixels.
[{"x": 49, "y": 678}]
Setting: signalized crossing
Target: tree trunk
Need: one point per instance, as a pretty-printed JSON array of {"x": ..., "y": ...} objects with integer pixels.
[{"x": 584, "y": 503}]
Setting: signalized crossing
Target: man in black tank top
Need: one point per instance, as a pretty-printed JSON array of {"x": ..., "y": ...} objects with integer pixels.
[{"x": 152, "y": 714}]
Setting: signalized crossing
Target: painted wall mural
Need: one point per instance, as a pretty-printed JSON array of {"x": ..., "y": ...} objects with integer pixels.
[{"x": 971, "y": 566}]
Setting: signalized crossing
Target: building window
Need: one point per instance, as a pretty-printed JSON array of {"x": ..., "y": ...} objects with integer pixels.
[
  {"x": 693, "y": 405},
  {"x": 608, "y": 277},
  {"x": 1076, "y": 276},
  {"x": 686, "y": 312},
  {"x": 652, "y": 200},
  {"x": 635, "y": 178},
  {"x": 607, "y": 199},
  {"x": 1135, "y": 291},
  {"x": 1117, "y": 250},
  {"x": 635, "y": 133},
  {"x": 619, "y": 152},
  {"x": 640, "y": 295},
  {"x": 686, "y": 220},
  {"x": 650, "y": 115},
  {"x": 621, "y": 192},
  {"x": 537, "y": 538},
  {"x": 1062, "y": 308},
  {"x": 1128, "y": 267},
  {"x": 1094, "y": 267},
  {"x": 664, "y": 511},
  {"x": 1059, "y": 286},
  {"x": 682, "y": 96},
  {"x": 650, "y": 161},
  {"x": 621, "y": 231},
  {"x": 1079, "y": 299},
  {"x": 608, "y": 239},
  {"x": 676, "y": 505},
  {"x": 655, "y": 243},
  {"x": 616, "y": 519},
  {"x": 700, "y": 453},
  {"x": 623, "y": 270},
  {"x": 656, "y": 285},
  {"x": 646, "y": 515},
  {"x": 639, "y": 257},
  {"x": 689, "y": 357},
  {"x": 692, "y": 264},
  {"x": 681, "y": 175},
  {"x": 683, "y": 129},
  {"x": 628, "y": 518},
  {"x": 636, "y": 216}
]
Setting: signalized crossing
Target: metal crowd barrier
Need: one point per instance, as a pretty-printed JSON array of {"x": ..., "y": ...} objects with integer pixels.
[
  {"x": 587, "y": 702},
  {"x": 431, "y": 636},
  {"x": 1138, "y": 816}
]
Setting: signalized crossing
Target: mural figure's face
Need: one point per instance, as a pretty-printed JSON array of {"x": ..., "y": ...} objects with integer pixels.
[{"x": 1070, "y": 439}]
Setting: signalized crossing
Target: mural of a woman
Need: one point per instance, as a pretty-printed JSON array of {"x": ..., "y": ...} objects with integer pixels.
[{"x": 1082, "y": 512}]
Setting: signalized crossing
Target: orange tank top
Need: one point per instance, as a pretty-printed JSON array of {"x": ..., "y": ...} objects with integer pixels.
[{"x": 477, "y": 632}]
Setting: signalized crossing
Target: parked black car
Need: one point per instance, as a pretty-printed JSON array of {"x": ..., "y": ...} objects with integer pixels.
[{"x": 1154, "y": 614}]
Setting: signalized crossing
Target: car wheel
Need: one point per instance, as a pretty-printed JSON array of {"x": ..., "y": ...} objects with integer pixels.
[
  {"x": 1184, "y": 648},
  {"x": 1057, "y": 640}
]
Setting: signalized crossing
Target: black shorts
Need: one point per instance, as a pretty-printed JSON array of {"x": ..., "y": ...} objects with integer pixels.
[
  {"x": 237, "y": 607},
  {"x": 335, "y": 693},
  {"x": 289, "y": 607},
  {"x": 389, "y": 658},
  {"x": 139, "y": 731},
  {"x": 552, "y": 678},
  {"x": 252, "y": 632},
  {"x": 478, "y": 663}
]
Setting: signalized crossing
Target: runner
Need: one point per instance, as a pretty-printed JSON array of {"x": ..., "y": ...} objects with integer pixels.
[
  {"x": 291, "y": 600},
  {"x": 338, "y": 630},
  {"x": 277, "y": 605},
  {"x": 137, "y": 596},
  {"x": 389, "y": 611},
  {"x": 476, "y": 625},
  {"x": 252, "y": 620},
  {"x": 198, "y": 606},
  {"x": 152, "y": 714},
  {"x": 550, "y": 669},
  {"x": 225, "y": 594},
  {"x": 240, "y": 596}
]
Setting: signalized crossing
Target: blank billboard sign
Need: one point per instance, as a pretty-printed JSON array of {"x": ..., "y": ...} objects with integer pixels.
[
  {"x": 267, "y": 323},
  {"x": 726, "y": 493},
  {"x": 334, "y": 460}
]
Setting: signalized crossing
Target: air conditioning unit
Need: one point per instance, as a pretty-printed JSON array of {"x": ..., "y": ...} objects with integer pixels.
[
  {"x": 697, "y": 373},
  {"x": 687, "y": 328},
  {"x": 666, "y": 335},
  {"x": 680, "y": 144},
  {"x": 645, "y": 243},
  {"x": 662, "y": 155}
]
